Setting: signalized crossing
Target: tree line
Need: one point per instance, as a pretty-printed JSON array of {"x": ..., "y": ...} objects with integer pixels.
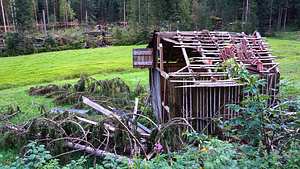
[{"x": 266, "y": 16}]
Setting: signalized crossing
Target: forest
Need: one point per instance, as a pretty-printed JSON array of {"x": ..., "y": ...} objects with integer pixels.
[{"x": 266, "y": 16}]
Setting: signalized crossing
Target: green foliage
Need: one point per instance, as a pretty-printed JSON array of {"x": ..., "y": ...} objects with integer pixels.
[
  {"x": 111, "y": 92},
  {"x": 269, "y": 130},
  {"x": 218, "y": 155},
  {"x": 36, "y": 155},
  {"x": 134, "y": 34},
  {"x": 112, "y": 163},
  {"x": 65, "y": 7},
  {"x": 50, "y": 43},
  {"x": 236, "y": 70},
  {"x": 76, "y": 164},
  {"x": 23, "y": 15},
  {"x": 210, "y": 153},
  {"x": 52, "y": 164},
  {"x": 259, "y": 124},
  {"x": 18, "y": 44}
]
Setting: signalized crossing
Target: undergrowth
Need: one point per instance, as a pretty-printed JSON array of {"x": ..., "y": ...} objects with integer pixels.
[{"x": 210, "y": 153}]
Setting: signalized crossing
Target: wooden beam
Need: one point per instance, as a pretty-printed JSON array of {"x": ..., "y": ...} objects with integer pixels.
[
  {"x": 161, "y": 56},
  {"x": 140, "y": 128},
  {"x": 170, "y": 40},
  {"x": 163, "y": 73},
  {"x": 211, "y": 85},
  {"x": 94, "y": 151},
  {"x": 186, "y": 58}
]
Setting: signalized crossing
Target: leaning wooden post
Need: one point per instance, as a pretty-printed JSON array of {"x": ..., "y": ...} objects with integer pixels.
[{"x": 161, "y": 57}]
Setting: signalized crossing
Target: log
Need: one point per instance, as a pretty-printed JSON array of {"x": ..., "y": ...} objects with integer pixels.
[
  {"x": 99, "y": 108},
  {"x": 144, "y": 131},
  {"x": 62, "y": 110},
  {"x": 107, "y": 126},
  {"x": 136, "y": 104},
  {"x": 95, "y": 152},
  {"x": 9, "y": 127}
]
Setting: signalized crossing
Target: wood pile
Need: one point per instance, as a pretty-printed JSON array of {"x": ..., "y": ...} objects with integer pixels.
[{"x": 114, "y": 134}]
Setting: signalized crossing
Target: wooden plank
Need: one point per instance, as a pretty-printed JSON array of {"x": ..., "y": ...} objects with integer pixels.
[
  {"x": 202, "y": 81},
  {"x": 161, "y": 57},
  {"x": 142, "y": 129},
  {"x": 95, "y": 152},
  {"x": 163, "y": 73},
  {"x": 170, "y": 40},
  {"x": 111, "y": 128},
  {"x": 142, "y": 52},
  {"x": 198, "y": 73},
  {"x": 143, "y": 58},
  {"x": 211, "y": 85},
  {"x": 186, "y": 58},
  {"x": 136, "y": 104}
]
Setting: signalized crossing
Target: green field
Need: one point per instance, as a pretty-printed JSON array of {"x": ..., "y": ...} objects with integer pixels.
[
  {"x": 288, "y": 52},
  {"x": 18, "y": 74},
  {"x": 47, "y": 67}
]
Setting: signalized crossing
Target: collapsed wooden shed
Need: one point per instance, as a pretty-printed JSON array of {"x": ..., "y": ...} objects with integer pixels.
[{"x": 186, "y": 79}]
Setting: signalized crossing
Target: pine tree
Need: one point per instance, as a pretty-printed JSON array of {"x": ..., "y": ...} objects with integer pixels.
[{"x": 24, "y": 15}]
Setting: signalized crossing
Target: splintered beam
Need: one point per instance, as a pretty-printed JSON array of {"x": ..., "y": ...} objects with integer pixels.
[
  {"x": 187, "y": 61},
  {"x": 140, "y": 128}
]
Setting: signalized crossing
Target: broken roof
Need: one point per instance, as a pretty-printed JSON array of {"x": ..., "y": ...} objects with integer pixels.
[{"x": 201, "y": 53}]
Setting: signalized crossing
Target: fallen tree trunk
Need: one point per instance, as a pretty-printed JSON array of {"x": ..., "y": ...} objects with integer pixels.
[
  {"x": 144, "y": 131},
  {"x": 95, "y": 152}
]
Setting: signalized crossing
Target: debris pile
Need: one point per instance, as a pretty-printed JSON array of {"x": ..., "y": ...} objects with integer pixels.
[
  {"x": 113, "y": 133},
  {"x": 118, "y": 127},
  {"x": 114, "y": 93}
]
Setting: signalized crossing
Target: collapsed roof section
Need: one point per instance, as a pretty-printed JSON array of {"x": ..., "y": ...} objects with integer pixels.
[{"x": 193, "y": 59}]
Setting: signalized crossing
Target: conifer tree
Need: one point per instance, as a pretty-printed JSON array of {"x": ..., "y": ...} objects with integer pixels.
[{"x": 24, "y": 17}]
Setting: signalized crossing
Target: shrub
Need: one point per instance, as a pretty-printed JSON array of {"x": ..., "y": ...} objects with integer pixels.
[
  {"x": 133, "y": 34},
  {"x": 37, "y": 157},
  {"x": 18, "y": 44},
  {"x": 50, "y": 42}
]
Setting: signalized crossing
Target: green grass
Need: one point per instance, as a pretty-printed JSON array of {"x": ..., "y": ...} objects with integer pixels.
[
  {"x": 288, "y": 35},
  {"x": 7, "y": 156},
  {"x": 47, "y": 67},
  {"x": 288, "y": 52}
]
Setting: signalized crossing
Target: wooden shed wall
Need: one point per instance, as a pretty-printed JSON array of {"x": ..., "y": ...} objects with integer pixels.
[{"x": 201, "y": 105}]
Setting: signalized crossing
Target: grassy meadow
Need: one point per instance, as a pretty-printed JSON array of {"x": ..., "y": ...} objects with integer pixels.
[{"x": 62, "y": 65}]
